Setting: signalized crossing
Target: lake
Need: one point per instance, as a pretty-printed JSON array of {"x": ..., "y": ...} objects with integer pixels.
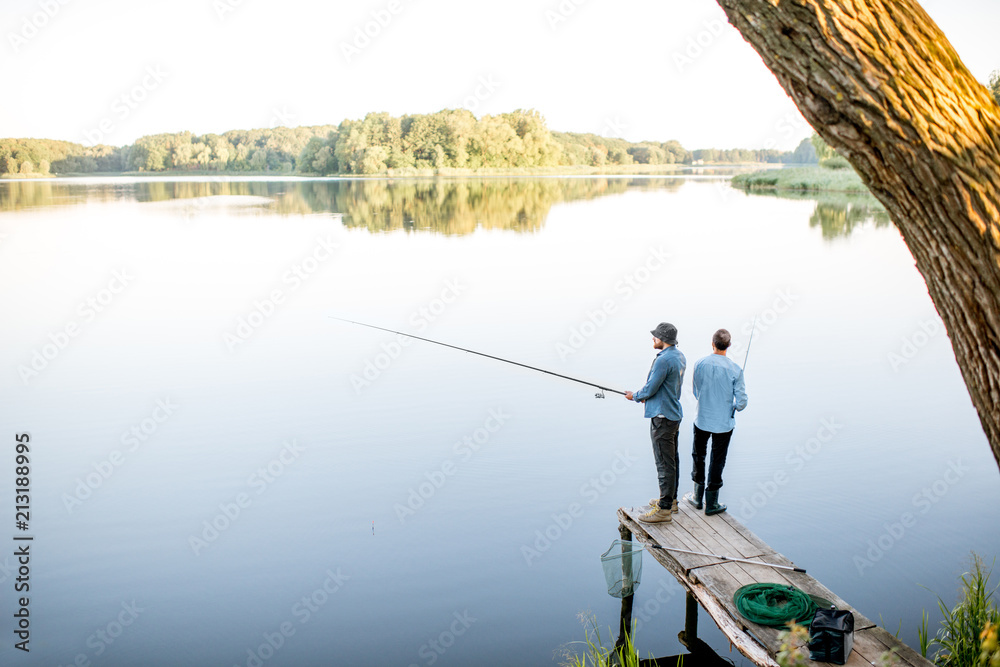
[{"x": 222, "y": 474}]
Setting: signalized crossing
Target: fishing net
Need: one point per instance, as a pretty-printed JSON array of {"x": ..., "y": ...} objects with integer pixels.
[
  {"x": 622, "y": 568},
  {"x": 775, "y": 604}
]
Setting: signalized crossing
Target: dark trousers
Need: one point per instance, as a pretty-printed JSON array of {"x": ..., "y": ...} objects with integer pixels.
[
  {"x": 663, "y": 433},
  {"x": 720, "y": 447}
]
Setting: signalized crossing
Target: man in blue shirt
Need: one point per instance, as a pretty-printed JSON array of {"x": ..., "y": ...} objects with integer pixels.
[
  {"x": 662, "y": 398},
  {"x": 718, "y": 385}
]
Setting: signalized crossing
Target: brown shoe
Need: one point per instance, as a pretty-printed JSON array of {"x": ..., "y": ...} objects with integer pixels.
[
  {"x": 654, "y": 503},
  {"x": 656, "y": 516}
]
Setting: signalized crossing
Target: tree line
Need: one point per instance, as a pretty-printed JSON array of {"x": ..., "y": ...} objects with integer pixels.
[{"x": 377, "y": 144}]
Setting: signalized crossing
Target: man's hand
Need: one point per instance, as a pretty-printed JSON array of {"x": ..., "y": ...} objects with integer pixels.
[{"x": 629, "y": 395}]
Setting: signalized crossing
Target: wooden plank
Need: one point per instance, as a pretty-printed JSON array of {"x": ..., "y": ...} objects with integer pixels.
[
  {"x": 747, "y": 534},
  {"x": 767, "y": 635},
  {"x": 653, "y": 534},
  {"x": 739, "y": 543},
  {"x": 746, "y": 644},
  {"x": 686, "y": 534},
  {"x": 717, "y": 580},
  {"x": 806, "y": 583},
  {"x": 904, "y": 652},
  {"x": 713, "y": 581},
  {"x": 661, "y": 534}
]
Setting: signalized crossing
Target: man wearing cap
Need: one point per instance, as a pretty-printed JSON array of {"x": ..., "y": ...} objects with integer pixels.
[
  {"x": 719, "y": 387},
  {"x": 661, "y": 396}
]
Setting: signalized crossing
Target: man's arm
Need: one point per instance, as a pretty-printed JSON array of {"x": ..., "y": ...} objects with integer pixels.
[
  {"x": 657, "y": 375},
  {"x": 696, "y": 376},
  {"x": 739, "y": 392}
]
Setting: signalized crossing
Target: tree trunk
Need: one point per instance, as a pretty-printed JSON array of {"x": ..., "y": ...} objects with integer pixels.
[{"x": 879, "y": 82}]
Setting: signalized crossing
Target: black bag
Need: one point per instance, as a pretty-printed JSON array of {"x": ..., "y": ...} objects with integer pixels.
[{"x": 831, "y": 636}]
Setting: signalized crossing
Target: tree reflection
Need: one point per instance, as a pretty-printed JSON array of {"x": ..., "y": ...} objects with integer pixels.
[
  {"x": 837, "y": 214},
  {"x": 453, "y": 206},
  {"x": 841, "y": 219}
]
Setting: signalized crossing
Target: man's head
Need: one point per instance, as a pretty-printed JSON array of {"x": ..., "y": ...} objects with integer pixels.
[
  {"x": 721, "y": 340},
  {"x": 664, "y": 334}
]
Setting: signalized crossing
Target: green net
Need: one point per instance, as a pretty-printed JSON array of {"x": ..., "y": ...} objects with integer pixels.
[
  {"x": 774, "y": 604},
  {"x": 622, "y": 568}
]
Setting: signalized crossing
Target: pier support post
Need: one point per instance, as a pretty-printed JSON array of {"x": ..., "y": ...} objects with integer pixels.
[
  {"x": 690, "y": 618},
  {"x": 625, "y": 626}
]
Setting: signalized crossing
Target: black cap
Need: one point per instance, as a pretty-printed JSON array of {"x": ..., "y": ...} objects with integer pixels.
[{"x": 666, "y": 332}]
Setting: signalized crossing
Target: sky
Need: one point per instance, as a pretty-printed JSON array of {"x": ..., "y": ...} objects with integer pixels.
[{"x": 110, "y": 71}]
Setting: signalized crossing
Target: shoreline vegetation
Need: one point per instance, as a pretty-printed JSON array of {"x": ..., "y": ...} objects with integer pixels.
[
  {"x": 814, "y": 178},
  {"x": 449, "y": 142},
  {"x": 724, "y": 168},
  {"x": 832, "y": 174}
]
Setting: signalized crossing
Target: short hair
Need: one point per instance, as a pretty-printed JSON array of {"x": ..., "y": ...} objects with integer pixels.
[{"x": 721, "y": 339}]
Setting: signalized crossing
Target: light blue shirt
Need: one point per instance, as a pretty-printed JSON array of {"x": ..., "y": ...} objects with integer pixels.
[
  {"x": 662, "y": 391},
  {"x": 718, "y": 385}
]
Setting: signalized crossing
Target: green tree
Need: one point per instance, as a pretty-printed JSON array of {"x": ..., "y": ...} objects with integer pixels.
[
  {"x": 324, "y": 162},
  {"x": 823, "y": 150},
  {"x": 679, "y": 154},
  {"x": 995, "y": 85},
  {"x": 182, "y": 155},
  {"x": 350, "y": 148},
  {"x": 373, "y": 161},
  {"x": 805, "y": 152},
  {"x": 258, "y": 160},
  {"x": 308, "y": 157}
]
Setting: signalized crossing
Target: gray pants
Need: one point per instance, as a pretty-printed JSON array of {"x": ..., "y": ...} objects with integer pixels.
[{"x": 663, "y": 433}]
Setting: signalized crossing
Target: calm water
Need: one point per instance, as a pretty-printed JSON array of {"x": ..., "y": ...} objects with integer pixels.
[{"x": 223, "y": 475}]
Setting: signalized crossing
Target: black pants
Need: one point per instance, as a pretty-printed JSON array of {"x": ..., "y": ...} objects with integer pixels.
[
  {"x": 720, "y": 447},
  {"x": 663, "y": 433}
]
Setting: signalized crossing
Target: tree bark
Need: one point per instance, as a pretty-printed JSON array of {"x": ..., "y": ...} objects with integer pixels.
[{"x": 880, "y": 82}]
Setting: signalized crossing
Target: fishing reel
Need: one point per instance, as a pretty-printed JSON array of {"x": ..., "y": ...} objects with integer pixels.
[{"x": 599, "y": 394}]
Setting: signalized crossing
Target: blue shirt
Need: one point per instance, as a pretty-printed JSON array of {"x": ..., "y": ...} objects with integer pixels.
[
  {"x": 718, "y": 385},
  {"x": 662, "y": 391}
]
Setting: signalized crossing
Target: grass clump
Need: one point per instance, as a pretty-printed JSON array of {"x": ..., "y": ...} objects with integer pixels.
[
  {"x": 968, "y": 633},
  {"x": 594, "y": 652}
]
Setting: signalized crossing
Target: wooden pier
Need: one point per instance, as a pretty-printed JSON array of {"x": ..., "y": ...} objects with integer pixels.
[{"x": 711, "y": 582}]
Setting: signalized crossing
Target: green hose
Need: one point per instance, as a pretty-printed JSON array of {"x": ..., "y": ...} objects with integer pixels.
[{"x": 774, "y": 604}]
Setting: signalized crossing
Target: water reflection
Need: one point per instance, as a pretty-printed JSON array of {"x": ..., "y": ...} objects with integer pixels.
[
  {"x": 839, "y": 219},
  {"x": 838, "y": 214},
  {"x": 622, "y": 565},
  {"x": 452, "y": 207}
]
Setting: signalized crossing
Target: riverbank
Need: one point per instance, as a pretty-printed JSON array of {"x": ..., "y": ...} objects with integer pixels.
[
  {"x": 721, "y": 168},
  {"x": 801, "y": 179}
]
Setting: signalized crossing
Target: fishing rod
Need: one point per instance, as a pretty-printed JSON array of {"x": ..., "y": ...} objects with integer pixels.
[
  {"x": 753, "y": 328},
  {"x": 735, "y": 560},
  {"x": 726, "y": 558},
  {"x": 600, "y": 394}
]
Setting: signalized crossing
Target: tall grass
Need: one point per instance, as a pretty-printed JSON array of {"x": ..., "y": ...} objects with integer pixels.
[
  {"x": 965, "y": 626},
  {"x": 594, "y": 652}
]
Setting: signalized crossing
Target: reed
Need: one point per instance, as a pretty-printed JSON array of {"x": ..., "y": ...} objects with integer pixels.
[{"x": 963, "y": 638}]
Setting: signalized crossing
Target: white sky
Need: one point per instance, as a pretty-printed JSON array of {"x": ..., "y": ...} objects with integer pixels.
[{"x": 609, "y": 67}]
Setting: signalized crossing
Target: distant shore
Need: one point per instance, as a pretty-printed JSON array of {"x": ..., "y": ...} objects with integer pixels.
[{"x": 563, "y": 170}]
